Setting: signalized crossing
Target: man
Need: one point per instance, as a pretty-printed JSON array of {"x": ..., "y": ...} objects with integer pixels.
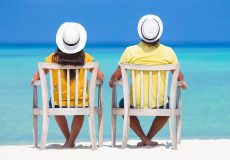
[{"x": 148, "y": 52}]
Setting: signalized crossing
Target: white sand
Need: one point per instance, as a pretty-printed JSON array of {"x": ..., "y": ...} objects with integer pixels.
[{"x": 187, "y": 150}]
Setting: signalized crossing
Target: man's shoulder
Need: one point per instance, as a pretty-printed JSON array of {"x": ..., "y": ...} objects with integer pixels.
[
  {"x": 132, "y": 48},
  {"x": 165, "y": 47}
]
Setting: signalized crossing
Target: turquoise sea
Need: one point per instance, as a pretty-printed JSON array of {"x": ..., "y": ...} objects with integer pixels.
[{"x": 206, "y": 104}]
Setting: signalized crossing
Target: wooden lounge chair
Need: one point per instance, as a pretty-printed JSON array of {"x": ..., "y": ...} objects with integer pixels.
[
  {"x": 171, "y": 89},
  {"x": 47, "y": 92}
]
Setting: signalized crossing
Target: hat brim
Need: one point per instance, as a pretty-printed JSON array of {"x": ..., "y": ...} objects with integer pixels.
[
  {"x": 71, "y": 49},
  {"x": 141, "y": 21}
]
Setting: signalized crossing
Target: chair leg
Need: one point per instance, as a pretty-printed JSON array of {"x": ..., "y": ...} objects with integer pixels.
[
  {"x": 173, "y": 132},
  {"x": 100, "y": 129},
  {"x": 178, "y": 122},
  {"x": 170, "y": 128},
  {"x": 125, "y": 131},
  {"x": 35, "y": 130},
  {"x": 45, "y": 124},
  {"x": 92, "y": 131},
  {"x": 114, "y": 122}
]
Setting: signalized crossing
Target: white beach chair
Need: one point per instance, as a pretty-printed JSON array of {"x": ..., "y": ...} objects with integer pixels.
[
  {"x": 45, "y": 111},
  {"x": 174, "y": 94}
]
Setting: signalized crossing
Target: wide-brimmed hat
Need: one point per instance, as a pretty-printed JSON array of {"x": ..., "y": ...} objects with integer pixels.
[
  {"x": 150, "y": 28},
  {"x": 71, "y": 37}
]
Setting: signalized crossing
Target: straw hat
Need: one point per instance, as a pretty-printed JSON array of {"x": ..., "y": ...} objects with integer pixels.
[
  {"x": 150, "y": 28},
  {"x": 71, "y": 37}
]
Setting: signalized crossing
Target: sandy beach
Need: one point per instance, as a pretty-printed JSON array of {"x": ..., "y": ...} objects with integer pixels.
[{"x": 188, "y": 149}]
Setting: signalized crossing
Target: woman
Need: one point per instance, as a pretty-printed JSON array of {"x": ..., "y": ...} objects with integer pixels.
[{"x": 71, "y": 40}]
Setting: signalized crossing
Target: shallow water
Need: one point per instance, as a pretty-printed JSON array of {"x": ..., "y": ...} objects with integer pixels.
[{"x": 206, "y": 105}]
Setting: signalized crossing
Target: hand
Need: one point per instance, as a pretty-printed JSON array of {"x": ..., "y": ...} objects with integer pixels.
[
  {"x": 100, "y": 76},
  {"x": 111, "y": 83},
  {"x": 184, "y": 85},
  {"x": 35, "y": 77}
]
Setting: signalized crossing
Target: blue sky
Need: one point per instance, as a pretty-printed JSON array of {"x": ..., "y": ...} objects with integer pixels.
[{"x": 114, "y": 21}]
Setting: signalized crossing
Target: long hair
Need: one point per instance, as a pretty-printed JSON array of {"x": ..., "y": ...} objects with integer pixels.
[{"x": 76, "y": 59}]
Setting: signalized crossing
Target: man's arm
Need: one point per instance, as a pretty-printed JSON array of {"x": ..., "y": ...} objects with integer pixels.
[
  {"x": 181, "y": 78},
  {"x": 116, "y": 76}
]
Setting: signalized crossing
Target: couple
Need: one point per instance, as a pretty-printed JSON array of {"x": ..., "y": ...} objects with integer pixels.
[{"x": 71, "y": 40}]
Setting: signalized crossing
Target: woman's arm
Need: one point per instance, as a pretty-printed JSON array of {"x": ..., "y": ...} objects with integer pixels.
[
  {"x": 100, "y": 75},
  {"x": 36, "y": 76}
]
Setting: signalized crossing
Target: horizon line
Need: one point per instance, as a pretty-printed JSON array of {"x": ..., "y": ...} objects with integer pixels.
[{"x": 122, "y": 44}]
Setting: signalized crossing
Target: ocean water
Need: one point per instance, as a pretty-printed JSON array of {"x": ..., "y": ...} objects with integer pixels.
[{"x": 206, "y": 105}]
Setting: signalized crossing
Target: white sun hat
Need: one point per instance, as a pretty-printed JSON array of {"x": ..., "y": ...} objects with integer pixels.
[
  {"x": 150, "y": 28},
  {"x": 71, "y": 37}
]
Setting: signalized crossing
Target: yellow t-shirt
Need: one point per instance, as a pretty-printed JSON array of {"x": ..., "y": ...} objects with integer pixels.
[
  {"x": 143, "y": 54},
  {"x": 88, "y": 58}
]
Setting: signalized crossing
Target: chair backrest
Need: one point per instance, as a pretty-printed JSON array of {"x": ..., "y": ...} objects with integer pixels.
[
  {"x": 158, "y": 72},
  {"x": 44, "y": 67}
]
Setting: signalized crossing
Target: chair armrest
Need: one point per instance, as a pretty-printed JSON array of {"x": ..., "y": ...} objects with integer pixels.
[
  {"x": 179, "y": 83},
  {"x": 36, "y": 83},
  {"x": 118, "y": 83},
  {"x": 99, "y": 82}
]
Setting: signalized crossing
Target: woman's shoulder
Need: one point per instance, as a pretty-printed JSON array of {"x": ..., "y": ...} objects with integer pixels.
[
  {"x": 88, "y": 57},
  {"x": 49, "y": 59}
]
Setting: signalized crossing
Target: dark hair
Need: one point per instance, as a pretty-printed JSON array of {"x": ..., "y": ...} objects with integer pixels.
[
  {"x": 152, "y": 44},
  {"x": 76, "y": 59}
]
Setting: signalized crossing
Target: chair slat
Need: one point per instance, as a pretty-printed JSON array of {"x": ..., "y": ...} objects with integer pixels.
[
  {"x": 68, "y": 88},
  {"x": 51, "y": 88},
  {"x": 59, "y": 88},
  {"x": 158, "y": 87},
  {"x": 134, "y": 88},
  {"x": 84, "y": 87},
  {"x": 76, "y": 88},
  {"x": 150, "y": 88},
  {"x": 166, "y": 88},
  {"x": 142, "y": 90}
]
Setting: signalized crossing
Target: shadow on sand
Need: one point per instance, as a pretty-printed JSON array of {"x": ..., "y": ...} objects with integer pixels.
[
  {"x": 60, "y": 147},
  {"x": 166, "y": 145}
]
